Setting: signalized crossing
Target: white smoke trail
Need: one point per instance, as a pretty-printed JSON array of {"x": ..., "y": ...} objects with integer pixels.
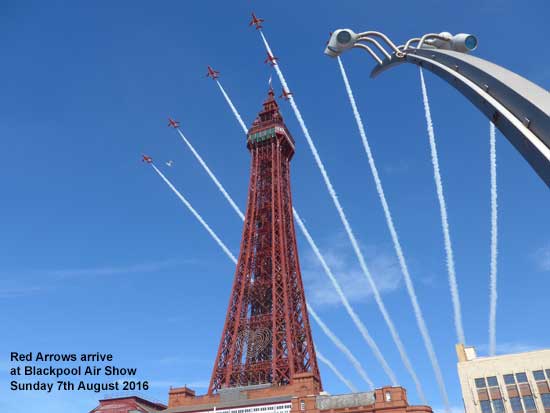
[
  {"x": 336, "y": 202},
  {"x": 337, "y": 372},
  {"x": 494, "y": 242},
  {"x": 356, "y": 320},
  {"x": 212, "y": 176},
  {"x": 233, "y": 109},
  {"x": 342, "y": 347},
  {"x": 444, "y": 219},
  {"x": 399, "y": 251},
  {"x": 197, "y": 215}
]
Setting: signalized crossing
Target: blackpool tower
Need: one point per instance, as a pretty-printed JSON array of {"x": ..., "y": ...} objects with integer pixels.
[
  {"x": 266, "y": 360},
  {"x": 266, "y": 336}
]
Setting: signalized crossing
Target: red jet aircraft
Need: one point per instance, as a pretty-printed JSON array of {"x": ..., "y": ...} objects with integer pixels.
[
  {"x": 147, "y": 159},
  {"x": 214, "y": 74},
  {"x": 285, "y": 95},
  {"x": 173, "y": 123},
  {"x": 256, "y": 21},
  {"x": 270, "y": 59}
]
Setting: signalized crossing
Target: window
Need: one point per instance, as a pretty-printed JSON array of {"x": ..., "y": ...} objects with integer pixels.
[
  {"x": 538, "y": 375},
  {"x": 302, "y": 405},
  {"x": 548, "y": 373},
  {"x": 521, "y": 377},
  {"x": 545, "y": 400},
  {"x": 516, "y": 404},
  {"x": 388, "y": 396},
  {"x": 480, "y": 383},
  {"x": 492, "y": 381},
  {"x": 509, "y": 379},
  {"x": 529, "y": 403},
  {"x": 498, "y": 406},
  {"x": 485, "y": 406}
]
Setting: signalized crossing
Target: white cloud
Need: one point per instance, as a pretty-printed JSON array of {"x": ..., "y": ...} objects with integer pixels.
[
  {"x": 19, "y": 291},
  {"x": 542, "y": 258},
  {"x": 21, "y": 285},
  {"x": 507, "y": 348},
  {"x": 454, "y": 409},
  {"x": 145, "y": 267},
  {"x": 170, "y": 360},
  {"x": 343, "y": 262}
]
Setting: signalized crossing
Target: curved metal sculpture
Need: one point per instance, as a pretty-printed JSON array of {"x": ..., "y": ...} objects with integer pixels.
[{"x": 519, "y": 108}]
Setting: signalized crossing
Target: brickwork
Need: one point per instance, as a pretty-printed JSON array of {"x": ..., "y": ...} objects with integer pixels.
[{"x": 303, "y": 394}]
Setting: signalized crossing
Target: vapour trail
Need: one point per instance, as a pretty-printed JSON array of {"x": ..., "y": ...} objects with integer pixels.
[
  {"x": 355, "y": 318},
  {"x": 211, "y": 175},
  {"x": 341, "y": 346},
  {"x": 494, "y": 242},
  {"x": 197, "y": 215},
  {"x": 337, "y": 372},
  {"x": 338, "y": 206},
  {"x": 444, "y": 219},
  {"x": 399, "y": 251},
  {"x": 233, "y": 109}
]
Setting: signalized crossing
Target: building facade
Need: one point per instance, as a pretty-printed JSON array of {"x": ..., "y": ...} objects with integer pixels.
[
  {"x": 303, "y": 395},
  {"x": 511, "y": 383}
]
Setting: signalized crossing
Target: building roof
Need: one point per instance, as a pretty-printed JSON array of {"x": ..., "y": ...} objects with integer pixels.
[
  {"x": 115, "y": 402},
  {"x": 229, "y": 404},
  {"x": 468, "y": 354}
]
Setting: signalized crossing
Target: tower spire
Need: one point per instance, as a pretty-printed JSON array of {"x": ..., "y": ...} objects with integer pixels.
[{"x": 266, "y": 336}]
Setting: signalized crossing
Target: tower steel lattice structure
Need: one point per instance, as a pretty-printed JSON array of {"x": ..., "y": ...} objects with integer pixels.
[{"x": 266, "y": 337}]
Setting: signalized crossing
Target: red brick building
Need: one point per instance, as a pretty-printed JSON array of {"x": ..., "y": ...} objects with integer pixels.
[{"x": 304, "y": 395}]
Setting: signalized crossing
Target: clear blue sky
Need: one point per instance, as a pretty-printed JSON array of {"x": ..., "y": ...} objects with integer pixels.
[{"x": 98, "y": 255}]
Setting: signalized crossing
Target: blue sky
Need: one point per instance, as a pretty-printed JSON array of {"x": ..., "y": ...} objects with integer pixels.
[{"x": 98, "y": 255}]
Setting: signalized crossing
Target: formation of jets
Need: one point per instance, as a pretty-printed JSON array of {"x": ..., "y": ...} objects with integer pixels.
[{"x": 214, "y": 74}]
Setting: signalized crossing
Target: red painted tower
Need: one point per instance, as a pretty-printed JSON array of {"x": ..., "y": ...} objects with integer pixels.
[{"x": 266, "y": 336}]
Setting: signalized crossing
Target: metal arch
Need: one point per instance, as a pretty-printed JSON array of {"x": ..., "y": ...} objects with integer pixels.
[{"x": 519, "y": 108}]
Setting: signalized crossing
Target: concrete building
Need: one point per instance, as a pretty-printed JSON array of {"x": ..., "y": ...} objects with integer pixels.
[{"x": 511, "y": 383}]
